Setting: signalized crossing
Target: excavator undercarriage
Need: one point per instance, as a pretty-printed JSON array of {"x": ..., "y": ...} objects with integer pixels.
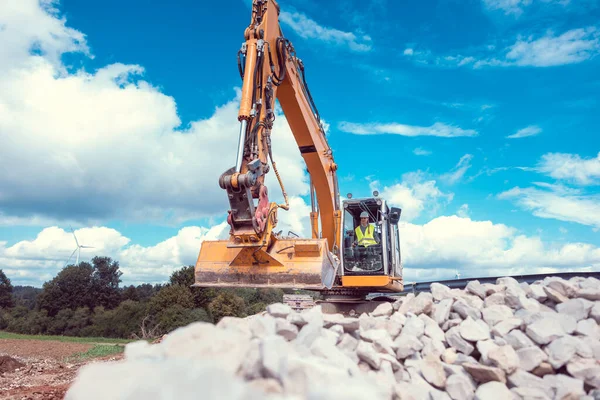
[{"x": 254, "y": 256}]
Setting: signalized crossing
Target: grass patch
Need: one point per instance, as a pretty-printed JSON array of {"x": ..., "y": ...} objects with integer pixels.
[
  {"x": 71, "y": 339},
  {"x": 99, "y": 350}
]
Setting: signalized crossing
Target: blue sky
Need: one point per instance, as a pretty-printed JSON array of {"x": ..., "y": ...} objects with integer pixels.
[{"x": 479, "y": 118}]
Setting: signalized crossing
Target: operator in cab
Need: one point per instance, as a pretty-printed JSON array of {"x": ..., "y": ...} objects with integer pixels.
[{"x": 364, "y": 233}]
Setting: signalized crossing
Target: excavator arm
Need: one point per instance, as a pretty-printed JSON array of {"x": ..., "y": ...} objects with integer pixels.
[
  {"x": 254, "y": 256},
  {"x": 271, "y": 70}
]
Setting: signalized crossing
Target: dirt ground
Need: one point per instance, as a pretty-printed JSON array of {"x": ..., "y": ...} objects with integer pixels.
[{"x": 36, "y": 369}]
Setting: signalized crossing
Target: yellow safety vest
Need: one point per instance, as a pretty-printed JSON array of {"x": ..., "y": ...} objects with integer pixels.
[{"x": 367, "y": 239}]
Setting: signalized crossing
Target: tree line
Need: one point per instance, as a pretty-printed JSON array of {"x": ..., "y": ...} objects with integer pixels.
[{"x": 88, "y": 300}]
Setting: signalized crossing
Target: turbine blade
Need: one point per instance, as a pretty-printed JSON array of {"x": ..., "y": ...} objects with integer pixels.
[
  {"x": 69, "y": 259},
  {"x": 74, "y": 235},
  {"x": 86, "y": 247}
]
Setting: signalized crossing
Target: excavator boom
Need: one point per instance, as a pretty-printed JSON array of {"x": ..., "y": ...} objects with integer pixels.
[{"x": 253, "y": 255}]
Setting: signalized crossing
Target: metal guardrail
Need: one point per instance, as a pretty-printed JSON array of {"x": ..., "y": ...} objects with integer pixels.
[{"x": 417, "y": 287}]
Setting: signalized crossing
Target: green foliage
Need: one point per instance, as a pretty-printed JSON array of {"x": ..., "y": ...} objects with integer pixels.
[
  {"x": 71, "y": 288},
  {"x": 85, "y": 300},
  {"x": 227, "y": 305},
  {"x": 6, "y": 291},
  {"x": 169, "y": 296}
]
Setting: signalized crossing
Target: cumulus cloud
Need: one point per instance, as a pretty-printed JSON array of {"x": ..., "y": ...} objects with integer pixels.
[
  {"x": 437, "y": 129},
  {"x": 444, "y": 245},
  {"x": 571, "y": 168},
  {"x": 557, "y": 202},
  {"x": 308, "y": 28},
  {"x": 106, "y": 144},
  {"x": 414, "y": 195},
  {"x": 421, "y": 152}
]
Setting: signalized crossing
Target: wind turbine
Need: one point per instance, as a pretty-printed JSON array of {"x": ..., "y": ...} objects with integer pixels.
[{"x": 77, "y": 249}]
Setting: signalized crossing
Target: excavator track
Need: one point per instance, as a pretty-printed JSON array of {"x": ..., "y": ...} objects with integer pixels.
[{"x": 350, "y": 302}]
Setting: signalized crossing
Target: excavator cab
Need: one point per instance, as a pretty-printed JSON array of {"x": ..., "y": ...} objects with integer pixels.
[{"x": 375, "y": 260}]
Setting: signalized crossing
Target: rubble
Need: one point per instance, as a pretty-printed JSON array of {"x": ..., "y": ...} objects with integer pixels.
[{"x": 506, "y": 340}]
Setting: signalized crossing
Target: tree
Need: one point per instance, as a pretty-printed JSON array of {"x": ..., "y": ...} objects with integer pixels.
[
  {"x": 105, "y": 282},
  {"x": 70, "y": 288},
  {"x": 185, "y": 277},
  {"x": 227, "y": 305},
  {"x": 6, "y": 291},
  {"x": 169, "y": 296}
]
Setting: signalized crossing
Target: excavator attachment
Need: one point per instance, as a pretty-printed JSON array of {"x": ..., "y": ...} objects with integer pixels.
[{"x": 288, "y": 263}]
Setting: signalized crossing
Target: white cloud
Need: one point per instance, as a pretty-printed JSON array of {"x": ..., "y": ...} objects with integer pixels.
[
  {"x": 421, "y": 152},
  {"x": 444, "y": 245},
  {"x": 571, "y": 167},
  {"x": 414, "y": 195},
  {"x": 408, "y": 52},
  {"x": 558, "y": 203},
  {"x": 27, "y": 25},
  {"x": 571, "y": 47},
  {"x": 508, "y": 6},
  {"x": 531, "y": 130},
  {"x": 516, "y": 7},
  {"x": 463, "y": 211},
  {"x": 310, "y": 29},
  {"x": 437, "y": 129},
  {"x": 458, "y": 172},
  {"x": 107, "y": 144}
]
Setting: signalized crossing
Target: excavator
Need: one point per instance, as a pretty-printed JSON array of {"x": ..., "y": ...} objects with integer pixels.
[{"x": 332, "y": 261}]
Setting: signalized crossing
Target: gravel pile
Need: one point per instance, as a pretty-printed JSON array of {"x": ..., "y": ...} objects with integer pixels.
[{"x": 490, "y": 341}]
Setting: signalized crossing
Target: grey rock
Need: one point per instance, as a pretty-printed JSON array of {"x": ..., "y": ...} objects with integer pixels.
[
  {"x": 543, "y": 369},
  {"x": 589, "y": 282},
  {"x": 297, "y": 319},
  {"x": 454, "y": 339},
  {"x": 422, "y": 304},
  {"x": 512, "y": 296},
  {"x": 565, "y": 387},
  {"x": 531, "y": 357},
  {"x": 432, "y": 347},
  {"x": 432, "y": 329},
  {"x": 262, "y": 326},
  {"x": 484, "y": 373},
  {"x": 279, "y": 310},
  {"x": 518, "y": 340},
  {"x": 380, "y": 339},
  {"x": 385, "y": 309},
  {"x": 555, "y": 295},
  {"x": 561, "y": 285},
  {"x": 521, "y": 378},
  {"x": 495, "y": 314},
  {"x": 491, "y": 288},
  {"x": 585, "y": 369},
  {"x": 476, "y": 288},
  {"x": 273, "y": 353},
  {"x": 366, "y": 352},
  {"x": 465, "y": 310},
  {"x": 451, "y": 323},
  {"x": 544, "y": 331},
  {"x": 286, "y": 329},
  {"x": 595, "y": 311},
  {"x": 441, "y": 311},
  {"x": 537, "y": 292},
  {"x": 433, "y": 372},
  {"x": 440, "y": 292},
  {"x": 504, "y": 357},
  {"x": 494, "y": 299},
  {"x": 308, "y": 334},
  {"x": 460, "y": 387},
  {"x": 414, "y": 326},
  {"x": 484, "y": 347},
  {"x": 577, "y": 308},
  {"x": 347, "y": 343},
  {"x": 530, "y": 393},
  {"x": 474, "y": 330},
  {"x": 406, "y": 345},
  {"x": 493, "y": 391},
  {"x": 449, "y": 355},
  {"x": 502, "y": 328},
  {"x": 561, "y": 350},
  {"x": 588, "y": 327}
]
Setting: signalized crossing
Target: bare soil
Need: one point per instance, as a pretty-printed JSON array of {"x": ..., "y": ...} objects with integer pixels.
[{"x": 43, "y": 372}]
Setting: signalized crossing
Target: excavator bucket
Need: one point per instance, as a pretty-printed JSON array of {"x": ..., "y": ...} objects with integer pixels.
[{"x": 294, "y": 263}]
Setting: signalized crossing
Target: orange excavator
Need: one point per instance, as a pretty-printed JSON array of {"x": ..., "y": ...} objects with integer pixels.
[{"x": 332, "y": 261}]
